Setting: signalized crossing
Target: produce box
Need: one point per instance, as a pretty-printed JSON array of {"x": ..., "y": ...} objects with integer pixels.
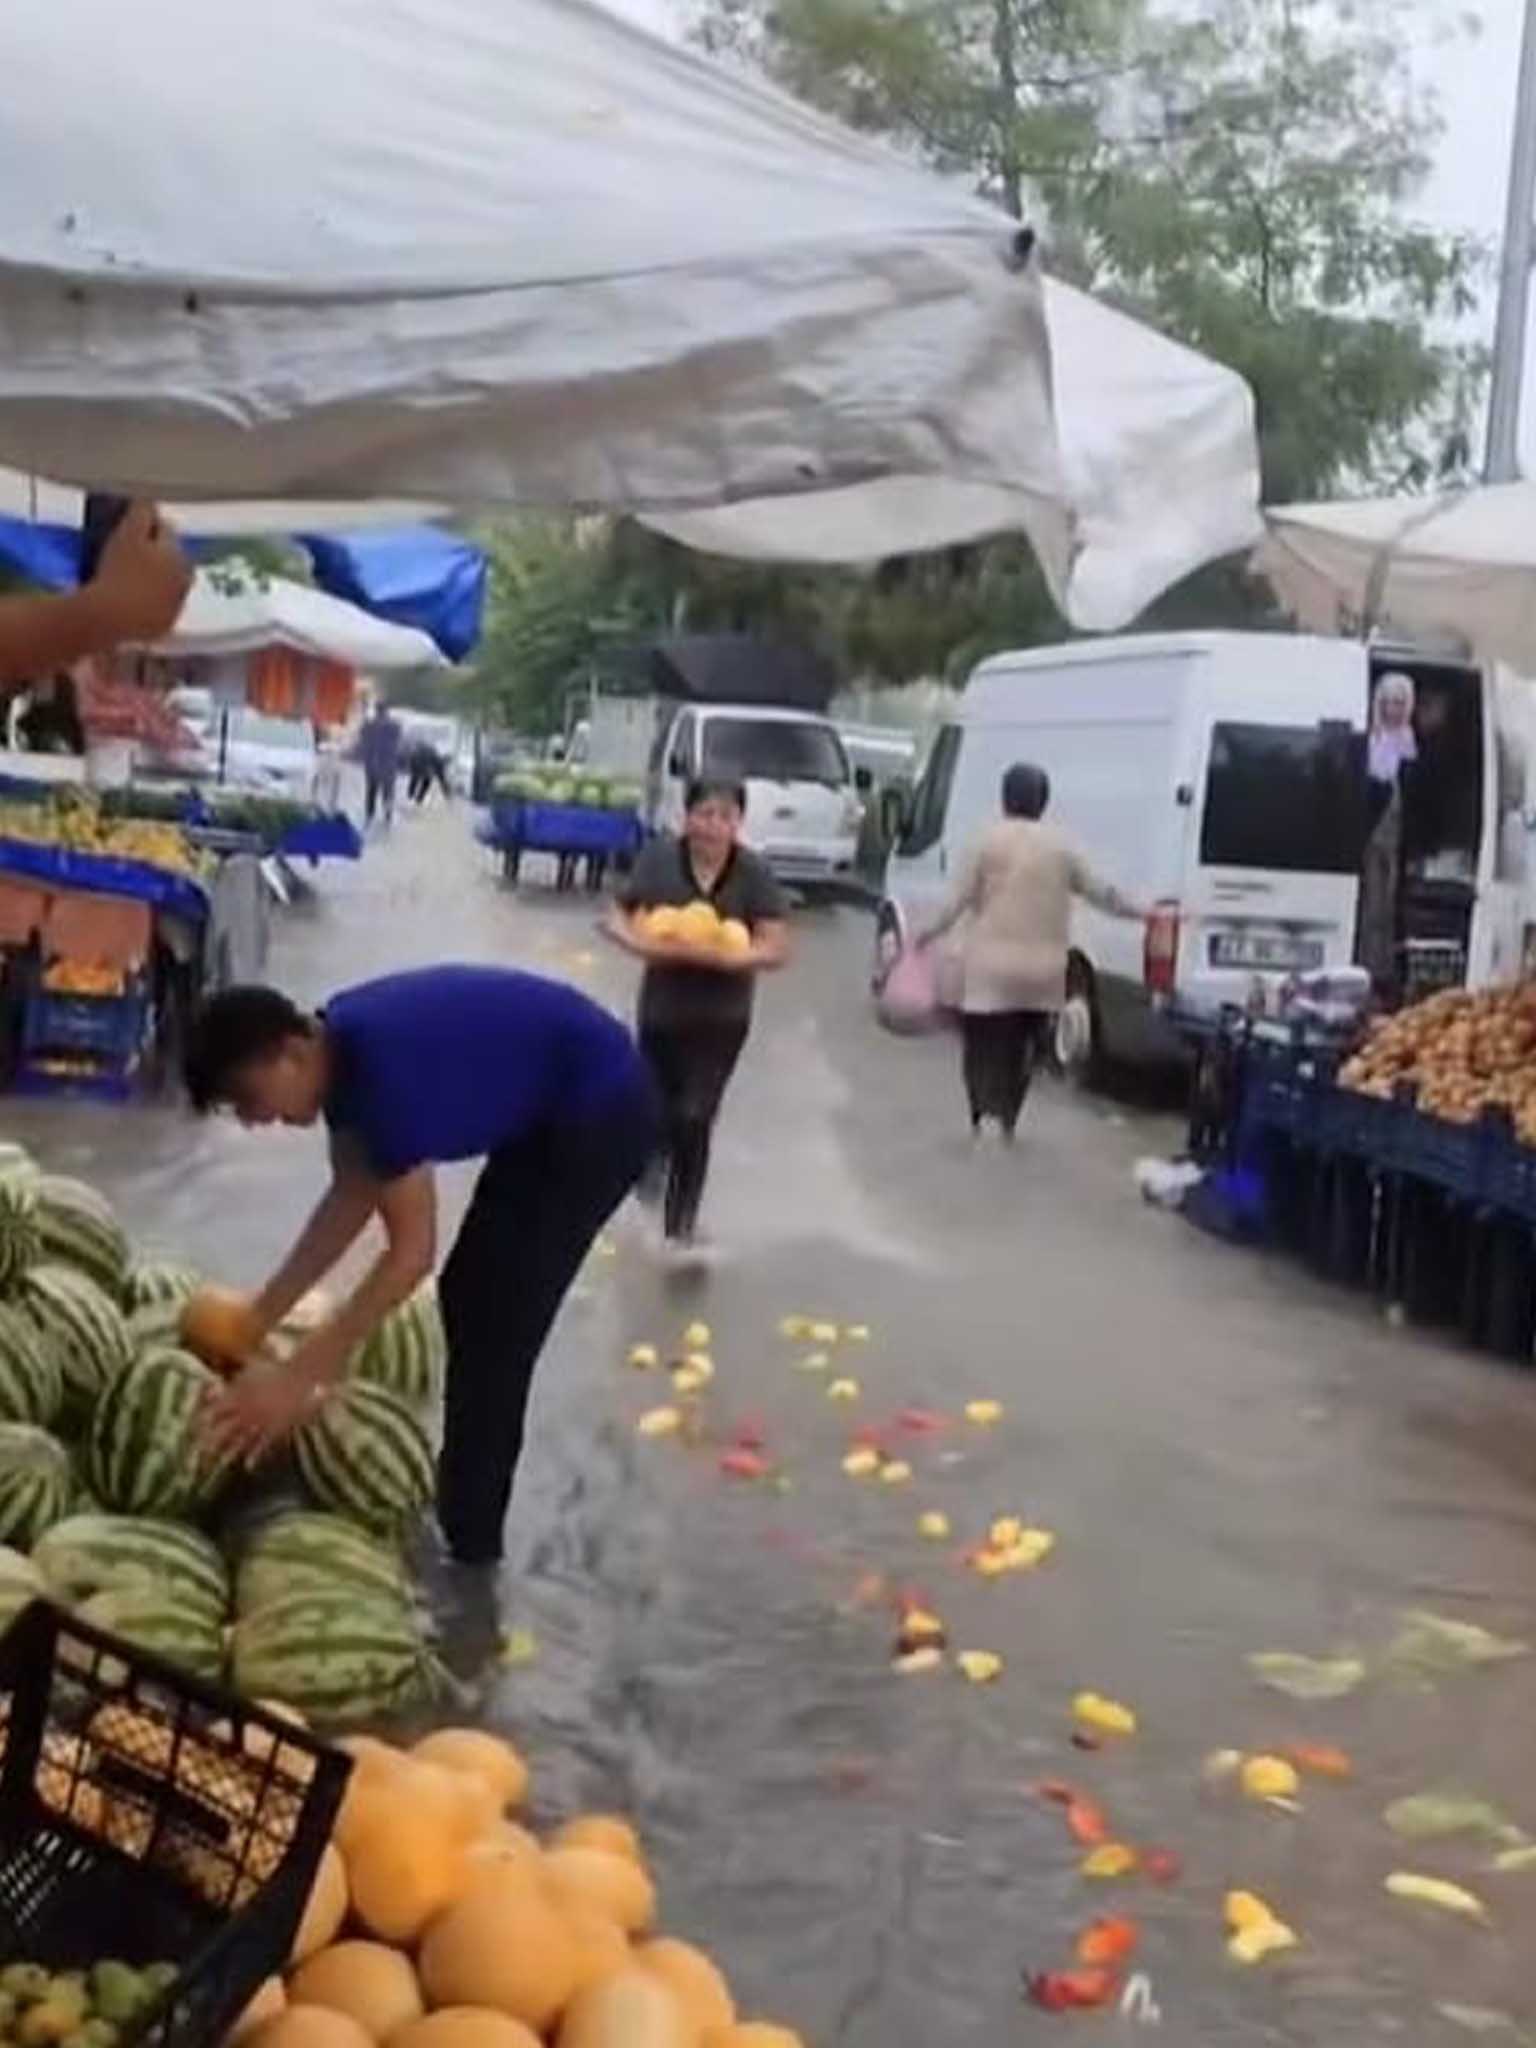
[{"x": 148, "y": 1817}]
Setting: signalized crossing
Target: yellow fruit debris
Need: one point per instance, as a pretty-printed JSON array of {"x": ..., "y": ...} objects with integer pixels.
[
  {"x": 1110, "y": 1859},
  {"x": 1220, "y": 1765},
  {"x": 701, "y": 1363},
  {"x": 1269, "y": 1777},
  {"x": 896, "y": 1473},
  {"x": 1436, "y": 1891},
  {"x": 658, "y": 1422},
  {"x": 687, "y": 1379},
  {"x": 918, "y": 1625},
  {"x": 979, "y": 1666},
  {"x": 860, "y": 1463},
  {"x": 644, "y": 1357},
  {"x": 1253, "y": 1944},
  {"x": 843, "y": 1390},
  {"x": 1106, "y": 1717},
  {"x": 924, "y": 1659},
  {"x": 795, "y": 1329},
  {"x": 814, "y": 1361},
  {"x": 934, "y": 1525},
  {"x": 856, "y": 1333},
  {"x": 1245, "y": 1909},
  {"x": 1005, "y": 1532},
  {"x": 1032, "y": 1548},
  {"x": 984, "y": 1413},
  {"x": 697, "y": 1337},
  {"x": 823, "y": 1333}
]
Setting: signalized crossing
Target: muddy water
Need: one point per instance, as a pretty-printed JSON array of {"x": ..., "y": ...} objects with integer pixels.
[{"x": 1233, "y": 1461}]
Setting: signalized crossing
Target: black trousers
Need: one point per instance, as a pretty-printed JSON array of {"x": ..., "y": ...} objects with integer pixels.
[
  {"x": 378, "y": 795},
  {"x": 692, "y": 1064},
  {"x": 1000, "y": 1048},
  {"x": 536, "y": 1208}
]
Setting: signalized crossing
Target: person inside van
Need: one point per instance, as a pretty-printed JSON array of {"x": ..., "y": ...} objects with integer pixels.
[
  {"x": 695, "y": 1011},
  {"x": 1391, "y": 747},
  {"x": 1015, "y": 894}
]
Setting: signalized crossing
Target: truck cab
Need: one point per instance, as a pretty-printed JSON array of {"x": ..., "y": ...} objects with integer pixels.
[{"x": 803, "y": 813}]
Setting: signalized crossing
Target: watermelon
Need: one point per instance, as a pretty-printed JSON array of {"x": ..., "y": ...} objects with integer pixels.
[
  {"x": 312, "y": 1552},
  {"x": 77, "y": 1228},
  {"x": 20, "y": 1245},
  {"x": 145, "y": 1454},
  {"x": 31, "y": 1382},
  {"x": 154, "y": 1326},
  {"x": 159, "y": 1621},
  {"x": 20, "y": 1582},
  {"x": 151, "y": 1282},
  {"x": 36, "y": 1482},
  {"x": 364, "y": 1454},
  {"x": 334, "y": 1656},
  {"x": 408, "y": 1350},
  {"x": 88, "y": 1554},
  {"x": 83, "y": 1326}
]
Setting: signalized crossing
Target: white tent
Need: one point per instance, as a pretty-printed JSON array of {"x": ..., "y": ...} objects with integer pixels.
[
  {"x": 1463, "y": 564},
  {"x": 280, "y": 613},
  {"x": 519, "y": 252}
]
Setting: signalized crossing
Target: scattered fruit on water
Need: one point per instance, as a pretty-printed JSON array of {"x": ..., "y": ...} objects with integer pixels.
[
  {"x": 741, "y": 1464},
  {"x": 1438, "y": 1892},
  {"x": 687, "y": 1380},
  {"x": 1108, "y": 1941},
  {"x": 823, "y": 1333},
  {"x": 896, "y": 1472},
  {"x": 984, "y": 1413},
  {"x": 918, "y": 1625},
  {"x": 843, "y": 1390},
  {"x": 697, "y": 1337},
  {"x": 814, "y": 1361},
  {"x": 1005, "y": 1532},
  {"x": 1110, "y": 1859},
  {"x": 1255, "y": 1931},
  {"x": 861, "y": 1463},
  {"x": 1107, "y": 1716},
  {"x": 1072, "y": 1990},
  {"x": 1320, "y": 1760},
  {"x": 979, "y": 1666},
  {"x": 794, "y": 1329},
  {"x": 856, "y": 1333},
  {"x": 701, "y": 1363},
  {"x": 659, "y": 1422},
  {"x": 934, "y": 1525},
  {"x": 1269, "y": 1777},
  {"x": 911, "y": 1662},
  {"x": 644, "y": 1357}
]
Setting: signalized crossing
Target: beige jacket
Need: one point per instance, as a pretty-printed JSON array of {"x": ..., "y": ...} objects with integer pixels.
[{"x": 1015, "y": 892}]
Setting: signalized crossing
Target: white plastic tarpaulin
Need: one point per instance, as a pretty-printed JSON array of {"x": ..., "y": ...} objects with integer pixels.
[
  {"x": 280, "y": 613},
  {"x": 1462, "y": 564},
  {"x": 519, "y": 252}
]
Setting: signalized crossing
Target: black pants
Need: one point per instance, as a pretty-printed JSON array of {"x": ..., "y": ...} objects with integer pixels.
[
  {"x": 1000, "y": 1050},
  {"x": 423, "y": 775},
  {"x": 378, "y": 795},
  {"x": 536, "y": 1208},
  {"x": 692, "y": 1064}
]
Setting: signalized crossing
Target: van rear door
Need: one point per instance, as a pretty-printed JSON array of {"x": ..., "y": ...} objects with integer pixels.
[{"x": 1277, "y": 843}]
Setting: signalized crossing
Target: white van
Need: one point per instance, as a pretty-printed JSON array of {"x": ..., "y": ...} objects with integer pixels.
[
  {"x": 803, "y": 814},
  {"x": 1221, "y": 779}
]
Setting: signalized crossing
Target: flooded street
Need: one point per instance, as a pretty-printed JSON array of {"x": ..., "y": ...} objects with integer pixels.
[{"x": 1233, "y": 1461}]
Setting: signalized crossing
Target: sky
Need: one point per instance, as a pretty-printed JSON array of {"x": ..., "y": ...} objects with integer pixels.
[{"x": 1476, "y": 87}]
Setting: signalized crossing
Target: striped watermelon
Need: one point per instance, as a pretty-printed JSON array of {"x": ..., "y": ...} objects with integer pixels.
[
  {"x": 334, "y": 1656},
  {"x": 36, "y": 1482},
  {"x": 88, "y": 1554},
  {"x": 31, "y": 1382},
  {"x": 20, "y": 1244},
  {"x": 85, "y": 1329},
  {"x": 311, "y": 1552},
  {"x": 149, "y": 1282},
  {"x": 408, "y": 1350},
  {"x": 20, "y": 1581},
  {"x": 154, "y": 1619},
  {"x": 78, "y": 1229},
  {"x": 154, "y": 1326},
  {"x": 364, "y": 1454},
  {"x": 145, "y": 1454}
]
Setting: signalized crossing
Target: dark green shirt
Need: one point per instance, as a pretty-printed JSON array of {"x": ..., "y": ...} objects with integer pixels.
[{"x": 745, "y": 888}]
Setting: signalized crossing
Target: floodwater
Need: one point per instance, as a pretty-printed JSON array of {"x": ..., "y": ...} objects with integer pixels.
[{"x": 1233, "y": 1459}]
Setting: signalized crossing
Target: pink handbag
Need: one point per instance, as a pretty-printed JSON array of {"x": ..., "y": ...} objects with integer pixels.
[{"x": 908, "y": 1004}]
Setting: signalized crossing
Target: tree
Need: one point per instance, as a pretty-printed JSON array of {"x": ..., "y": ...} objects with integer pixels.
[{"x": 1240, "y": 178}]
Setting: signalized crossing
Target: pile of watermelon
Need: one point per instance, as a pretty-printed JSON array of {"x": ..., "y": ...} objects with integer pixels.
[
  {"x": 560, "y": 785},
  {"x": 112, "y": 1503}
]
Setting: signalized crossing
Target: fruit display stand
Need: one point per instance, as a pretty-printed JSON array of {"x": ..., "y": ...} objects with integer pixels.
[
  {"x": 571, "y": 832},
  {"x": 1374, "y": 1190},
  {"x": 152, "y": 1820}
]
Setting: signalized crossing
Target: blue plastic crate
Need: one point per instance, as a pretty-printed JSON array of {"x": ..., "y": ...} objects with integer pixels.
[{"x": 111, "y": 1028}]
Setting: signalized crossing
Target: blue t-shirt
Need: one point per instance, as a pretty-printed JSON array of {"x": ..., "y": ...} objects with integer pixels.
[{"x": 452, "y": 1062}]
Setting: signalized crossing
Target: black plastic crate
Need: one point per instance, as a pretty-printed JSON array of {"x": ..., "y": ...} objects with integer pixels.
[{"x": 149, "y": 1817}]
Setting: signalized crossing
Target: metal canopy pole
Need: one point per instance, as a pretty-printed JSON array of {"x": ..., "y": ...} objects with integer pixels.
[{"x": 1502, "y": 463}]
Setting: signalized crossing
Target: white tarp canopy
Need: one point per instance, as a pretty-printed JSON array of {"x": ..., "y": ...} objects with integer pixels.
[
  {"x": 1462, "y": 564},
  {"x": 280, "y": 613},
  {"x": 490, "y": 252}
]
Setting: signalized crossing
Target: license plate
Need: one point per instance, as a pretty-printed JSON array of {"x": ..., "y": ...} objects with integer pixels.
[{"x": 1276, "y": 951}]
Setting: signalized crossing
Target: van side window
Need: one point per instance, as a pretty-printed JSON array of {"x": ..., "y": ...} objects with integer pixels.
[
  {"x": 930, "y": 802},
  {"x": 1285, "y": 797},
  {"x": 683, "y": 747}
]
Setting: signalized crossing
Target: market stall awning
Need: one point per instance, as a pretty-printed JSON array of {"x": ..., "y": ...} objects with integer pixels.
[
  {"x": 1462, "y": 564},
  {"x": 218, "y": 623},
  {"x": 532, "y": 255}
]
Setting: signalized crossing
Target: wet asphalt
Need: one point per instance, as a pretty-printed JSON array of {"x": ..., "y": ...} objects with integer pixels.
[{"x": 1234, "y": 1459}]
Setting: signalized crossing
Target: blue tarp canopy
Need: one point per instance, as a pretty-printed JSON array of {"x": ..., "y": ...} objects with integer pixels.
[{"x": 411, "y": 576}]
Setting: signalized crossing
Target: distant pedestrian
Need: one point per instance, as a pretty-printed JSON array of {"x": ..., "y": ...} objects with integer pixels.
[
  {"x": 424, "y": 766},
  {"x": 1015, "y": 893},
  {"x": 694, "y": 1014},
  {"x": 379, "y": 751}
]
